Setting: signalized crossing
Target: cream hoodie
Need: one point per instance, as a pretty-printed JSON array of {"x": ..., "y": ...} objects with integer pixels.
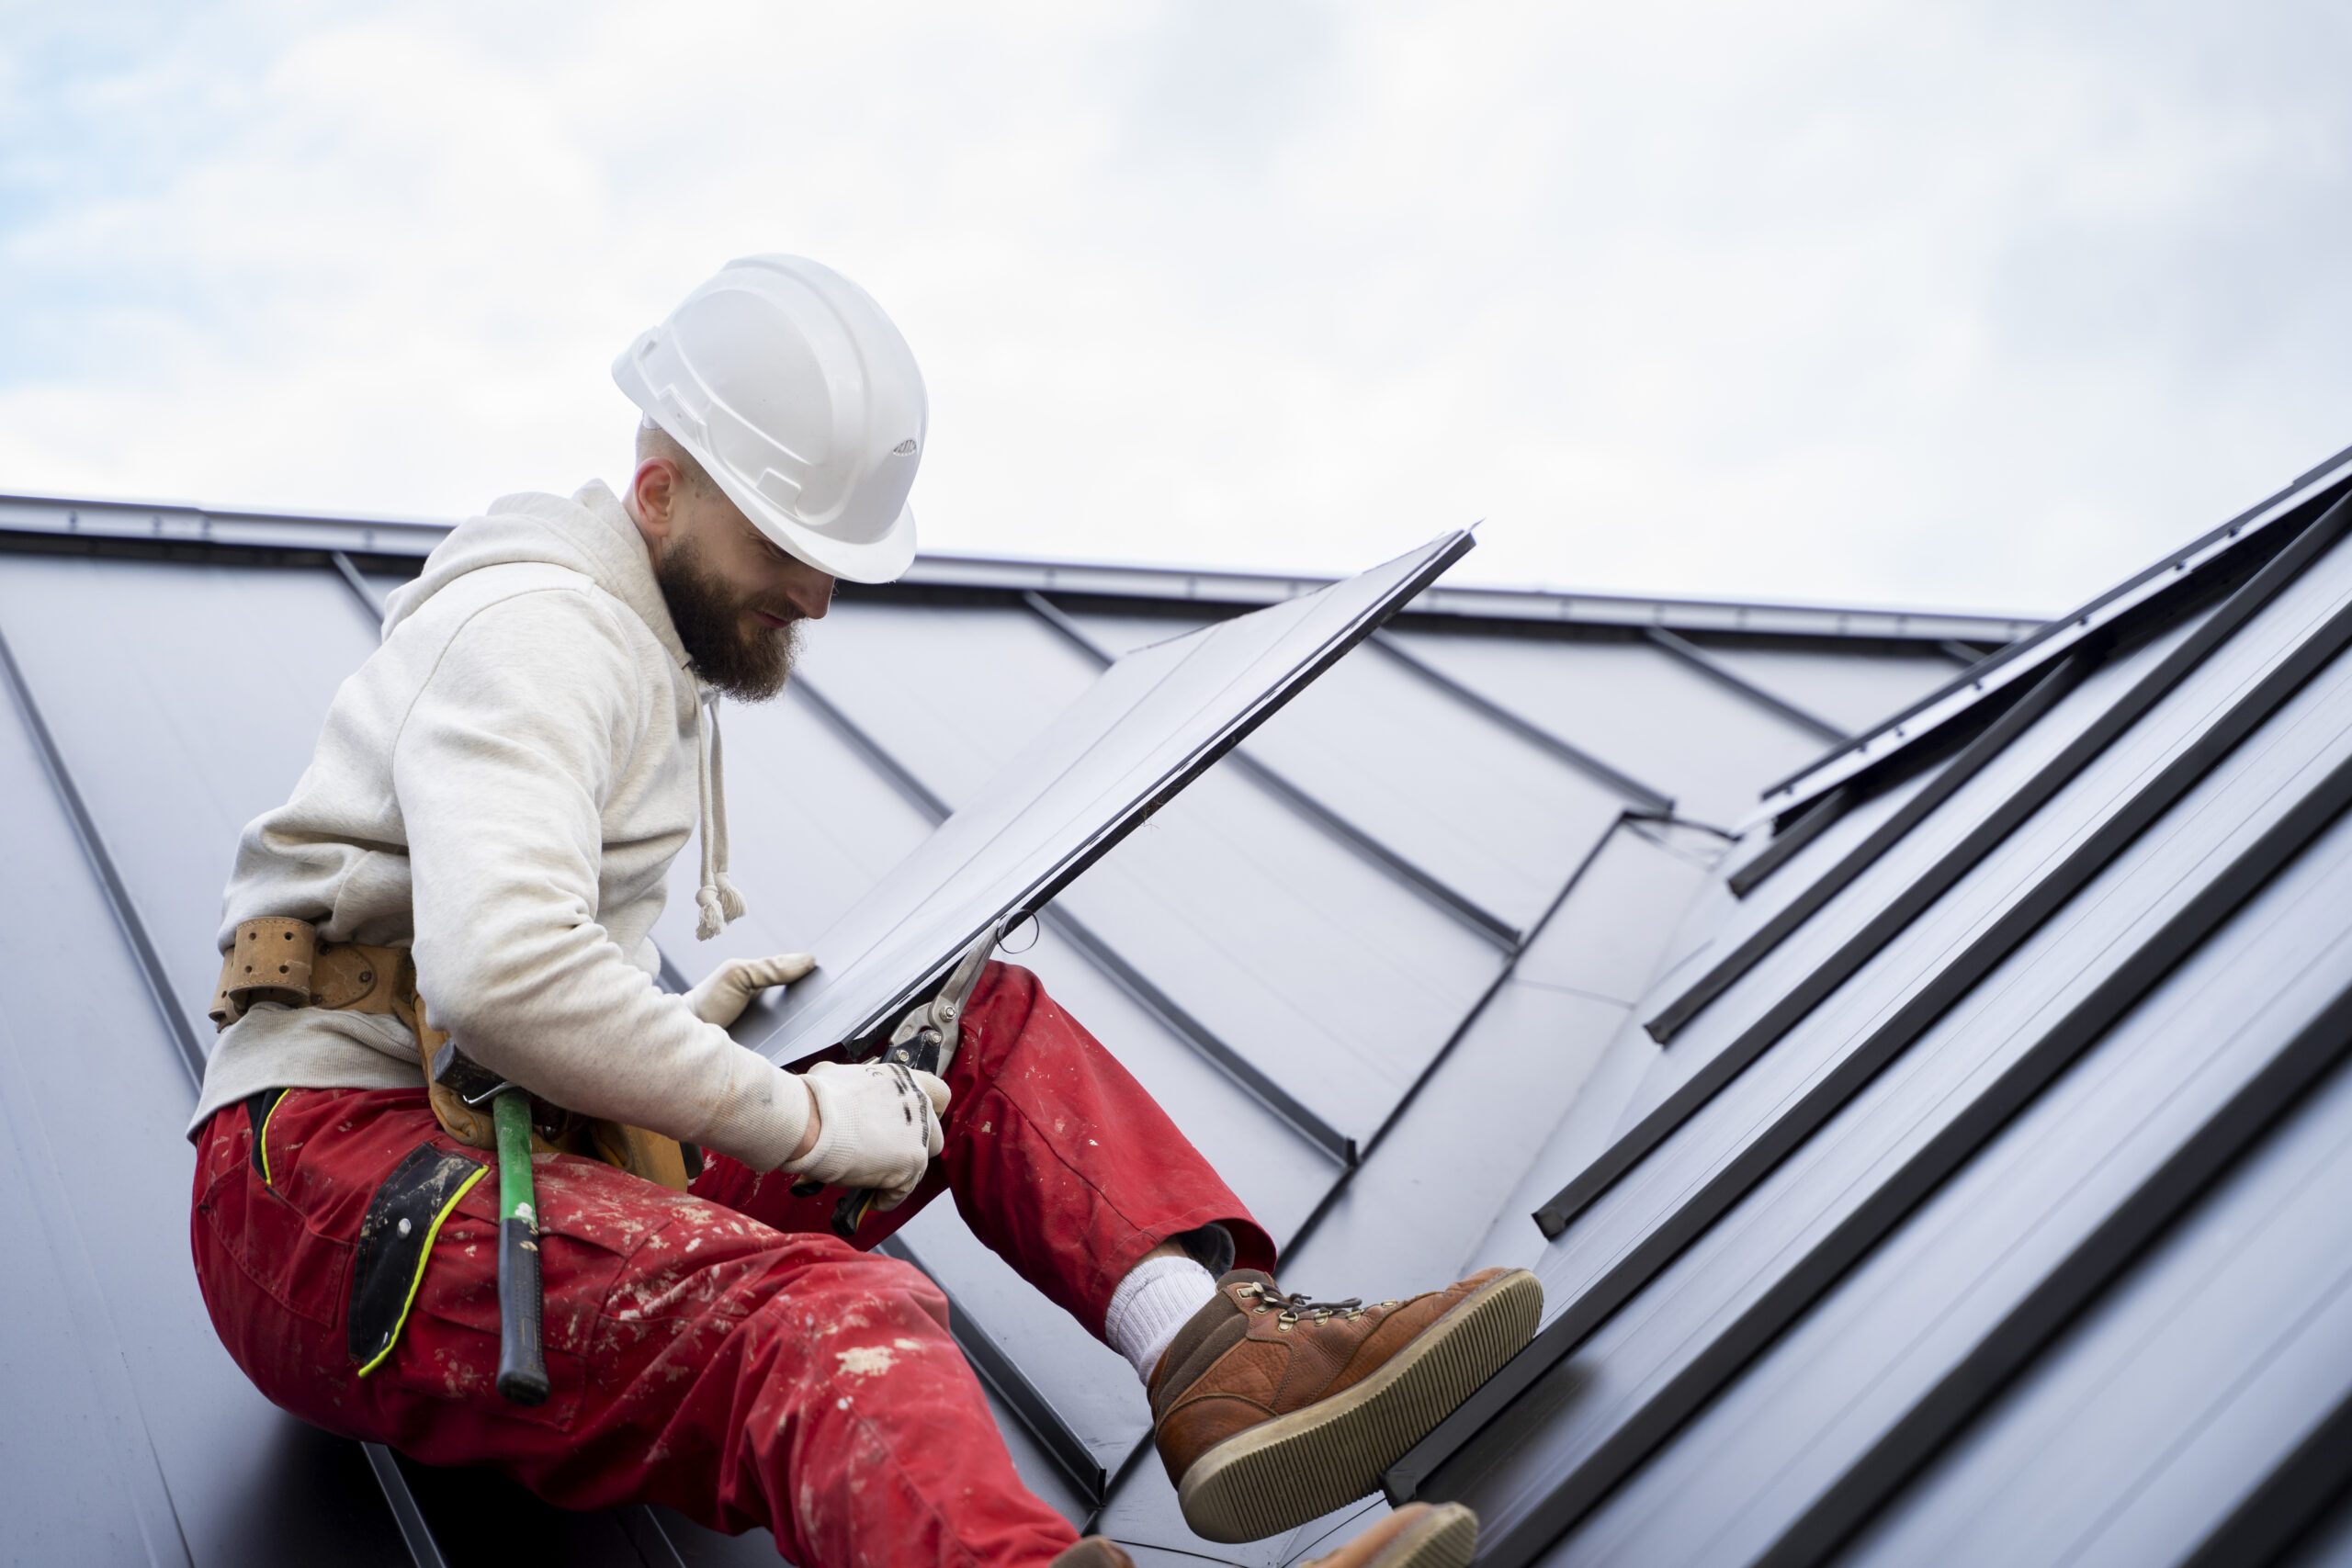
[{"x": 503, "y": 786}]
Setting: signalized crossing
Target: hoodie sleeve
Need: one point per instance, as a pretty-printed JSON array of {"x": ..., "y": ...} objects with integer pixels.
[{"x": 503, "y": 769}]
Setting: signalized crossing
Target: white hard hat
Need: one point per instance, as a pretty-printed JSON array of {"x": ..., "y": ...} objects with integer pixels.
[{"x": 787, "y": 382}]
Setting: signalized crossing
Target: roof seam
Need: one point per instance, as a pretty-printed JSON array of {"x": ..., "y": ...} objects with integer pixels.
[
  {"x": 2291, "y": 1500},
  {"x": 408, "y": 1514},
  {"x": 359, "y": 589},
  {"x": 1030, "y": 1407},
  {"x": 1823, "y": 814},
  {"x": 1401, "y": 1481},
  {"x": 1423, "y": 884},
  {"x": 2218, "y": 1143},
  {"x": 1738, "y": 685},
  {"x": 1461, "y": 1031},
  {"x": 93, "y": 849},
  {"x": 2010, "y": 662},
  {"x": 2021, "y": 715},
  {"x": 1624, "y": 785}
]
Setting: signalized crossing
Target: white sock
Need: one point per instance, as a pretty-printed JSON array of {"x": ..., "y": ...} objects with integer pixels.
[{"x": 1151, "y": 1305}]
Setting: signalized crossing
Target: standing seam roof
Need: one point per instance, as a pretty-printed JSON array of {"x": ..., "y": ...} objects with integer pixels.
[
  {"x": 1952, "y": 1109},
  {"x": 1311, "y": 957}
]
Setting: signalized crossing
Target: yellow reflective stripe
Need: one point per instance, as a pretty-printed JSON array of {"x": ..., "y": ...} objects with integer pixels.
[
  {"x": 432, "y": 1234},
  {"x": 262, "y": 1136}
]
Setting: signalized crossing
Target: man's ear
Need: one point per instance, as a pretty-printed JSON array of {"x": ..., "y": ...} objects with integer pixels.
[{"x": 653, "y": 499}]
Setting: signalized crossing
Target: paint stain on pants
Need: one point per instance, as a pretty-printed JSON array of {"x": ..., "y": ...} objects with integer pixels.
[{"x": 720, "y": 1351}]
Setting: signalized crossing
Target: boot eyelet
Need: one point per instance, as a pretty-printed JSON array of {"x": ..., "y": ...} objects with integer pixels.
[
  {"x": 1284, "y": 1324},
  {"x": 1260, "y": 1311}
]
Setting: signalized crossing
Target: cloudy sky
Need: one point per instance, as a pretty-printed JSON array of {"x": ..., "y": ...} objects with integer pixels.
[{"x": 1966, "y": 305}]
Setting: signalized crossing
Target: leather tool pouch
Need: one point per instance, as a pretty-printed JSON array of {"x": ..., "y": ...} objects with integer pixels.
[
  {"x": 270, "y": 963},
  {"x": 278, "y": 959}
]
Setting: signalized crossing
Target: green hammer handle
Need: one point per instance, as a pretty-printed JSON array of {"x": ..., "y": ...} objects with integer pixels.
[{"x": 522, "y": 1302}]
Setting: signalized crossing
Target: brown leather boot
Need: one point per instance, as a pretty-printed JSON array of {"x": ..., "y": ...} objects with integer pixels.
[
  {"x": 1416, "y": 1536},
  {"x": 1270, "y": 1409},
  {"x": 1094, "y": 1551}
]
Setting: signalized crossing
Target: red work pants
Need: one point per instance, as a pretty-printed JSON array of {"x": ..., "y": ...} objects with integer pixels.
[{"x": 722, "y": 1352}]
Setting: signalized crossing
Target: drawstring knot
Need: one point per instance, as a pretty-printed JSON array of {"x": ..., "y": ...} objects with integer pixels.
[{"x": 730, "y": 901}]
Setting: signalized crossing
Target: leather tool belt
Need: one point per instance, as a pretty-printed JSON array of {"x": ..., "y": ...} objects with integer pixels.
[{"x": 278, "y": 959}]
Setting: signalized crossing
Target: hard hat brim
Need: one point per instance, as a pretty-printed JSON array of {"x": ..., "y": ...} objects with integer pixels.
[{"x": 878, "y": 560}]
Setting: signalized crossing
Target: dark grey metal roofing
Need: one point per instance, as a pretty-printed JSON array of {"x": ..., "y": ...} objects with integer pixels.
[
  {"x": 1462, "y": 858},
  {"x": 1975, "y": 1191}
]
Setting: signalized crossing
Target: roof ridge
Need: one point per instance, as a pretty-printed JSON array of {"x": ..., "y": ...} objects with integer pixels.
[{"x": 183, "y": 523}]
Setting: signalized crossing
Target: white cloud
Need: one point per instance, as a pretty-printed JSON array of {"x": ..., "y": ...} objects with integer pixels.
[{"x": 1929, "y": 304}]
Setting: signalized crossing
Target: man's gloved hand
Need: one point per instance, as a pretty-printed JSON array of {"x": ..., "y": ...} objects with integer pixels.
[
  {"x": 878, "y": 1125},
  {"x": 728, "y": 989}
]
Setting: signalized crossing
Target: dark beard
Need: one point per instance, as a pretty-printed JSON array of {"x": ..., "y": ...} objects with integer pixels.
[{"x": 750, "y": 666}]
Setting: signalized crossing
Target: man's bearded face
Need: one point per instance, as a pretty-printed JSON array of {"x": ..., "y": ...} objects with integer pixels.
[{"x": 732, "y": 647}]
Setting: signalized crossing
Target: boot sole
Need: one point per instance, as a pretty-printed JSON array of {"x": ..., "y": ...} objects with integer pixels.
[
  {"x": 1283, "y": 1473},
  {"x": 1448, "y": 1538}
]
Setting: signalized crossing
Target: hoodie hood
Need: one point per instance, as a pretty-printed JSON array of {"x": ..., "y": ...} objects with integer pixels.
[{"x": 589, "y": 533}]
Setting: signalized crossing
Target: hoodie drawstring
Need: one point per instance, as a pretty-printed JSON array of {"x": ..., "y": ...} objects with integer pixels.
[{"x": 718, "y": 899}]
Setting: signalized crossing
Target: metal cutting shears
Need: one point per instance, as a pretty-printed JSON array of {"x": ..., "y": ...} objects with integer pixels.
[{"x": 925, "y": 1042}]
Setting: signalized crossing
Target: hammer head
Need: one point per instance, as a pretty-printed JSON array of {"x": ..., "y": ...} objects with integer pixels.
[{"x": 464, "y": 1076}]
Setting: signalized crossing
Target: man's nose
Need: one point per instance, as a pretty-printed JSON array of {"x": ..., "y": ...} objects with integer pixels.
[{"x": 811, "y": 594}]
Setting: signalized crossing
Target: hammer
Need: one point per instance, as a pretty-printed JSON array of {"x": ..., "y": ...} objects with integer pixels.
[{"x": 521, "y": 1297}]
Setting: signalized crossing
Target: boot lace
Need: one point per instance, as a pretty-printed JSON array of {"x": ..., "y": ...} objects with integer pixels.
[{"x": 1296, "y": 1304}]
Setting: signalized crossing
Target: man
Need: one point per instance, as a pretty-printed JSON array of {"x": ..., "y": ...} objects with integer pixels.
[{"x": 478, "y": 848}]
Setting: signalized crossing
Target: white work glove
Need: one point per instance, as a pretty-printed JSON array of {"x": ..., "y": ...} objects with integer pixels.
[
  {"x": 877, "y": 1126},
  {"x": 728, "y": 989}
]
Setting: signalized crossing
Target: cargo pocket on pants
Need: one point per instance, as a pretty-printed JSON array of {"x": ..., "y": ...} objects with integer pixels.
[
  {"x": 267, "y": 1237},
  {"x": 396, "y": 1241}
]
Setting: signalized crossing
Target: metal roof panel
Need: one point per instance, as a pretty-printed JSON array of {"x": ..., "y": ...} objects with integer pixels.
[{"x": 1636, "y": 707}]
